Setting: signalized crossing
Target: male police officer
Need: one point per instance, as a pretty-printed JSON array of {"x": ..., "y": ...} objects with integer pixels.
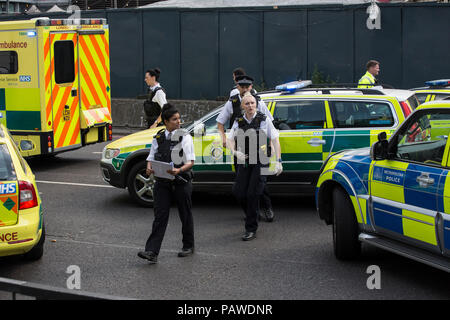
[
  {"x": 250, "y": 182},
  {"x": 368, "y": 80},
  {"x": 231, "y": 111}
]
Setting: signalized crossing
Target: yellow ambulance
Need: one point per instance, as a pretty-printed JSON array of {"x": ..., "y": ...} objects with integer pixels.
[{"x": 55, "y": 92}]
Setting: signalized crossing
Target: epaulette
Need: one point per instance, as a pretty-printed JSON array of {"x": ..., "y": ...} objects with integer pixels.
[{"x": 158, "y": 134}]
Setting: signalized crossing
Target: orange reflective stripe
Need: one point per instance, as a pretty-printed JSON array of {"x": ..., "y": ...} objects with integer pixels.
[
  {"x": 89, "y": 84},
  {"x": 58, "y": 115},
  {"x": 99, "y": 52},
  {"x": 75, "y": 136},
  {"x": 94, "y": 68},
  {"x": 67, "y": 124}
]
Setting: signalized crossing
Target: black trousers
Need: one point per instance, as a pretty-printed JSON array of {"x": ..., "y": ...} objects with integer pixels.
[
  {"x": 248, "y": 188},
  {"x": 163, "y": 193},
  {"x": 265, "y": 201}
]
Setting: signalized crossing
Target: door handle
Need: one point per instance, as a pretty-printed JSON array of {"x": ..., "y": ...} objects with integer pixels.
[
  {"x": 74, "y": 92},
  {"x": 424, "y": 180},
  {"x": 315, "y": 142}
]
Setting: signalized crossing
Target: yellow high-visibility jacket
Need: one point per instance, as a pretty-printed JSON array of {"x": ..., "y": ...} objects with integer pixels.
[{"x": 367, "y": 81}]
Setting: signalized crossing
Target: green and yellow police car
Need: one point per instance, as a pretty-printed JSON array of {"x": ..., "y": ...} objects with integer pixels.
[
  {"x": 396, "y": 194},
  {"x": 313, "y": 123},
  {"x": 434, "y": 90}
]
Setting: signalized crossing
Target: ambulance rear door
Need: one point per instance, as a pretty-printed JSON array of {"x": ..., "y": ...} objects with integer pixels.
[
  {"x": 65, "y": 90},
  {"x": 95, "y": 93}
]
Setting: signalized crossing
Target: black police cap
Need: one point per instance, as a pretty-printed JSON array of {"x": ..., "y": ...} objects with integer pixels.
[{"x": 244, "y": 80}]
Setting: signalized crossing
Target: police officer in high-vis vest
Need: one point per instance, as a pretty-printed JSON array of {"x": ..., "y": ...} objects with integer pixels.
[
  {"x": 368, "y": 80},
  {"x": 156, "y": 98},
  {"x": 249, "y": 137},
  {"x": 175, "y": 145},
  {"x": 231, "y": 111}
]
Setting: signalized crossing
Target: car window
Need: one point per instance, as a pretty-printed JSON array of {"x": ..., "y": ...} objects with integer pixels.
[
  {"x": 351, "y": 114},
  {"x": 413, "y": 102},
  {"x": 421, "y": 97},
  {"x": 299, "y": 115},
  {"x": 424, "y": 139},
  {"x": 6, "y": 167},
  {"x": 211, "y": 125}
]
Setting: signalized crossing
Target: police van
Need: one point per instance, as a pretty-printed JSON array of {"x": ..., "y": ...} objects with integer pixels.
[
  {"x": 394, "y": 195},
  {"x": 55, "y": 92}
]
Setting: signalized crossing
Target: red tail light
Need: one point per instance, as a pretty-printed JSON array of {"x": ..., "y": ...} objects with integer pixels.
[
  {"x": 27, "y": 195},
  {"x": 110, "y": 132},
  {"x": 406, "y": 109}
]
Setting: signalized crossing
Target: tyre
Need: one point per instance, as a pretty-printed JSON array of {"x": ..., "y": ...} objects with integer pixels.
[
  {"x": 38, "y": 250},
  {"x": 140, "y": 186},
  {"x": 345, "y": 227}
]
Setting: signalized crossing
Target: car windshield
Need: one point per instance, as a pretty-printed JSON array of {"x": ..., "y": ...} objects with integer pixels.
[
  {"x": 7, "y": 172},
  {"x": 190, "y": 124}
]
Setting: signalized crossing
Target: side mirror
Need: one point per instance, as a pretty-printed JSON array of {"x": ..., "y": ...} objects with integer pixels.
[
  {"x": 379, "y": 150},
  {"x": 199, "y": 129}
]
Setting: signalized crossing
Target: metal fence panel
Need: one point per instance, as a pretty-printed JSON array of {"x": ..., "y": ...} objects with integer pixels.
[
  {"x": 330, "y": 44},
  {"x": 240, "y": 45},
  {"x": 161, "y": 45},
  {"x": 197, "y": 49},
  {"x": 199, "y": 55},
  {"x": 426, "y": 45},
  {"x": 383, "y": 45},
  {"x": 126, "y": 53},
  {"x": 285, "y": 47}
]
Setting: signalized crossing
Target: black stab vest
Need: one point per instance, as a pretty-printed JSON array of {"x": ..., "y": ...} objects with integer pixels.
[
  {"x": 153, "y": 109},
  {"x": 237, "y": 110},
  {"x": 164, "y": 153},
  {"x": 255, "y": 125}
]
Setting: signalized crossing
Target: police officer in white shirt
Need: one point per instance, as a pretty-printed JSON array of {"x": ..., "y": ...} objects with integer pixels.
[
  {"x": 156, "y": 99},
  {"x": 250, "y": 182},
  {"x": 171, "y": 145},
  {"x": 233, "y": 110}
]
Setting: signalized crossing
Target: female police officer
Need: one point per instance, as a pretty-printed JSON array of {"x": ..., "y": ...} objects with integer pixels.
[
  {"x": 156, "y": 98},
  {"x": 248, "y": 137},
  {"x": 171, "y": 144}
]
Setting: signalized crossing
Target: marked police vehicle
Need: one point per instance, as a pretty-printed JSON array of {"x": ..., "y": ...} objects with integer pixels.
[
  {"x": 313, "y": 123},
  {"x": 434, "y": 90},
  {"x": 396, "y": 194}
]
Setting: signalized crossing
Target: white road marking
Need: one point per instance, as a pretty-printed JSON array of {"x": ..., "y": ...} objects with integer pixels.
[
  {"x": 75, "y": 184},
  {"x": 97, "y": 152}
]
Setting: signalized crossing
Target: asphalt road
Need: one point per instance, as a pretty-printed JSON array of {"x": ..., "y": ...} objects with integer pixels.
[{"x": 99, "y": 229}]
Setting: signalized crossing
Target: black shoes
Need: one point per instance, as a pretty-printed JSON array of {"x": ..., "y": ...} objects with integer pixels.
[
  {"x": 249, "y": 236},
  {"x": 268, "y": 214},
  {"x": 149, "y": 255},
  {"x": 185, "y": 252}
]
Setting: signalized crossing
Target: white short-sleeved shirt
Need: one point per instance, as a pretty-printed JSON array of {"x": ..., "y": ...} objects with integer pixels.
[
  {"x": 266, "y": 126},
  {"x": 187, "y": 144},
  {"x": 160, "y": 95},
  {"x": 227, "y": 111},
  {"x": 234, "y": 92}
]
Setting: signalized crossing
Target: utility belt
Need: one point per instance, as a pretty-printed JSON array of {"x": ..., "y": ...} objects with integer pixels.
[{"x": 180, "y": 179}]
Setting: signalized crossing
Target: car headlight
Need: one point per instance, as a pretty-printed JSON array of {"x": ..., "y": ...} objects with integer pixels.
[{"x": 111, "y": 153}]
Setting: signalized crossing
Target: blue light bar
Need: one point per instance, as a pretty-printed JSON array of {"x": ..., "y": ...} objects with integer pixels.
[
  {"x": 31, "y": 34},
  {"x": 293, "y": 86},
  {"x": 442, "y": 82}
]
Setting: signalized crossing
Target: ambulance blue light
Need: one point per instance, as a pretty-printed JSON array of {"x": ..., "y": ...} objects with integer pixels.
[
  {"x": 293, "y": 86},
  {"x": 31, "y": 34},
  {"x": 442, "y": 82}
]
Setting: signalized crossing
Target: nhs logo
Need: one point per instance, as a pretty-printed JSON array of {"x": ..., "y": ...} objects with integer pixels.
[
  {"x": 7, "y": 188},
  {"x": 25, "y": 78}
]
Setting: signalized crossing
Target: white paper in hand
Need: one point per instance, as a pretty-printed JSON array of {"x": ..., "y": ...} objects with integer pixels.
[{"x": 160, "y": 169}]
